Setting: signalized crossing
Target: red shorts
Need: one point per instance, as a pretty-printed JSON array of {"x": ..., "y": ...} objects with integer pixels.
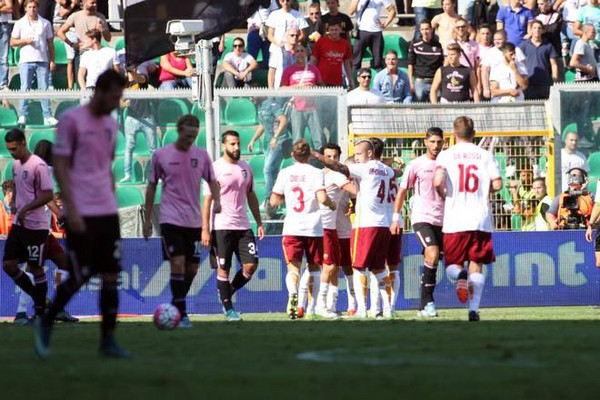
[
  {"x": 394, "y": 254},
  {"x": 369, "y": 247},
  {"x": 294, "y": 247},
  {"x": 346, "y": 258},
  {"x": 473, "y": 246},
  {"x": 52, "y": 249},
  {"x": 331, "y": 247}
]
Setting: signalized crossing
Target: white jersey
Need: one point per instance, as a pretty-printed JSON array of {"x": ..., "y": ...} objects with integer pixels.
[
  {"x": 376, "y": 193},
  {"x": 334, "y": 182},
  {"x": 299, "y": 185},
  {"x": 470, "y": 171},
  {"x": 343, "y": 224}
]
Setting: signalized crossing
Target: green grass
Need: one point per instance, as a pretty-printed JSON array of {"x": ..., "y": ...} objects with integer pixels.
[{"x": 524, "y": 353}]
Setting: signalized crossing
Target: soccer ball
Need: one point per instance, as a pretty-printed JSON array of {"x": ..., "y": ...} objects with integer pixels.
[{"x": 166, "y": 317}]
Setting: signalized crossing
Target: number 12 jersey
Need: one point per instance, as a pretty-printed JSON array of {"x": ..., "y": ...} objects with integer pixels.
[{"x": 469, "y": 173}]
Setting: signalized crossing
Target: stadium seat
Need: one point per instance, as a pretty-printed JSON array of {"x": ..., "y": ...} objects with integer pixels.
[
  {"x": 60, "y": 52},
  {"x": 201, "y": 139},
  {"x": 120, "y": 44},
  {"x": 120, "y": 147},
  {"x": 259, "y": 77},
  {"x": 59, "y": 80},
  {"x": 16, "y": 55},
  {"x": 11, "y": 57},
  {"x": 594, "y": 163},
  {"x": 170, "y": 136},
  {"x": 36, "y": 136},
  {"x": 137, "y": 172},
  {"x": 287, "y": 162},
  {"x": 198, "y": 112},
  {"x": 8, "y": 117},
  {"x": 240, "y": 112},
  {"x": 141, "y": 145},
  {"x": 35, "y": 116},
  {"x": 395, "y": 42},
  {"x": 64, "y": 106},
  {"x": 170, "y": 110},
  {"x": 593, "y": 183},
  {"x": 3, "y": 150},
  {"x": 259, "y": 190},
  {"x": 570, "y": 75},
  {"x": 257, "y": 163},
  {"x": 246, "y": 134},
  {"x": 157, "y": 194},
  {"x": 128, "y": 196},
  {"x": 8, "y": 173}
]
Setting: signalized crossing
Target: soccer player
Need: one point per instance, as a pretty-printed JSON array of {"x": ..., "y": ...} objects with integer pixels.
[
  {"x": 335, "y": 185},
  {"x": 181, "y": 166},
  {"x": 302, "y": 188},
  {"x": 83, "y": 153},
  {"x": 465, "y": 175},
  {"x": 26, "y": 239},
  {"x": 370, "y": 231},
  {"x": 427, "y": 213},
  {"x": 231, "y": 227},
  {"x": 344, "y": 230}
]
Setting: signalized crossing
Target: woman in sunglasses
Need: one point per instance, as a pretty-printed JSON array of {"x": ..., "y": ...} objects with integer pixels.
[{"x": 238, "y": 66}]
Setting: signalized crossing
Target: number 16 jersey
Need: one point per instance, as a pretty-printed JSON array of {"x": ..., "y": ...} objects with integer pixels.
[
  {"x": 469, "y": 173},
  {"x": 299, "y": 185},
  {"x": 376, "y": 194}
]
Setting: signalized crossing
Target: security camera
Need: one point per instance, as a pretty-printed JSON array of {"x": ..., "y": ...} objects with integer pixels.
[{"x": 185, "y": 30}]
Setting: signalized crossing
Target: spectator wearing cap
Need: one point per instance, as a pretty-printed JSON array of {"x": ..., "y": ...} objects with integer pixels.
[
  {"x": 571, "y": 157},
  {"x": 33, "y": 34},
  {"x": 392, "y": 82},
  {"x": 515, "y": 20},
  {"x": 364, "y": 94},
  {"x": 424, "y": 58},
  {"x": 541, "y": 63},
  {"x": 238, "y": 66}
]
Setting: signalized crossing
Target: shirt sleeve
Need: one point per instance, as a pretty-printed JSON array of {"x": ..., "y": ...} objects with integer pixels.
[
  {"x": 302, "y": 24},
  {"x": 83, "y": 61},
  {"x": 208, "y": 173},
  {"x": 115, "y": 58},
  {"x": 500, "y": 16},
  {"x": 493, "y": 168},
  {"x": 356, "y": 170},
  {"x": 554, "y": 206},
  {"x": 48, "y": 32},
  {"x": 44, "y": 179},
  {"x": 320, "y": 180},
  {"x": 338, "y": 179},
  {"x": 579, "y": 48},
  {"x": 412, "y": 57},
  {"x": 408, "y": 179},
  {"x": 65, "y": 136},
  {"x": 16, "y": 31}
]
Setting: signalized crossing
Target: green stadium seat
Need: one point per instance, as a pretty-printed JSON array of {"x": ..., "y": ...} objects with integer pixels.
[
  {"x": 198, "y": 112},
  {"x": 59, "y": 80},
  {"x": 593, "y": 183},
  {"x": 11, "y": 57},
  {"x": 170, "y": 136},
  {"x": 259, "y": 190},
  {"x": 60, "y": 52},
  {"x": 201, "y": 139},
  {"x": 120, "y": 44},
  {"x": 395, "y": 42},
  {"x": 594, "y": 163},
  {"x": 170, "y": 110},
  {"x": 15, "y": 82},
  {"x": 35, "y": 116},
  {"x": 37, "y": 136},
  {"x": 259, "y": 77},
  {"x": 570, "y": 75},
  {"x": 4, "y": 153},
  {"x": 128, "y": 196},
  {"x": 16, "y": 55},
  {"x": 64, "y": 106},
  {"x": 572, "y": 127},
  {"x": 120, "y": 147},
  {"x": 137, "y": 172},
  {"x": 240, "y": 112},
  {"x": 8, "y": 172},
  {"x": 8, "y": 117},
  {"x": 141, "y": 145},
  {"x": 157, "y": 194},
  {"x": 257, "y": 163}
]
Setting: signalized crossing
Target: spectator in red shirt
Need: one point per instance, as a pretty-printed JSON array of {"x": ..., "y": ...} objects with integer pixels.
[{"x": 332, "y": 55}]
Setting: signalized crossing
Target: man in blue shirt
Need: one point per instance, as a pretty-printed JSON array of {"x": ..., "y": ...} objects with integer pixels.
[
  {"x": 392, "y": 82},
  {"x": 540, "y": 60},
  {"x": 515, "y": 20}
]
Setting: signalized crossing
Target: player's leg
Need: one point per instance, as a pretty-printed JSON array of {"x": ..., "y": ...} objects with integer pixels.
[
  {"x": 480, "y": 252},
  {"x": 331, "y": 258},
  {"x": 431, "y": 240},
  {"x": 305, "y": 286},
  {"x": 360, "y": 249},
  {"x": 223, "y": 242},
  {"x": 394, "y": 258},
  {"x": 192, "y": 249},
  {"x": 293, "y": 250},
  {"x": 23, "y": 306},
  {"x": 597, "y": 248},
  {"x": 174, "y": 247},
  {"x": 313, "y": 248},
  {"x": 346, "y": 263},
  {"x": 455, "y": 254},
  {"x": 15, "y": 250},
  {"x": 314, "y": 272},
  {"x": 248, "y": 255},
  {"x": 332, "y": 294},
  {"x": 55, "y": 253}
]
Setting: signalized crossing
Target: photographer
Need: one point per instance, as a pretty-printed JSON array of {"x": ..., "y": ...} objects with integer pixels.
[{"x": 572, "y": 208}]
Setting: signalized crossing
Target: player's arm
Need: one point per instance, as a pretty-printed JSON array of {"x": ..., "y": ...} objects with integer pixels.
[
  {"x": 496, "y": 185},
  {"x": 276, "y": 200},
  {"x": 435, "y": 86},
  {"x": 593, "y": 220},
  {"x": 206, "y": 220},
  {"x": 332, "y": 165},
  {"x": 396, "y": 227},
  {"x": 42, "y": 199},
  {"x": 148, "y": 208},
  {"x": 61, "y": 167},
  {"x": 439, "y": 181},
  {"x": 255, "y": 210},
  {"x": 81, "y": 77},
  {"x": 325, "y": 200}
]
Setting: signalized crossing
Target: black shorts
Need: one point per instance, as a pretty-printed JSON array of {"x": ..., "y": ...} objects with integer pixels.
[
  {"x": 597, "y": 243},
  {"x": 429, "y": 235},
  {"x": 226, "y": 243},
  {"x": 98, "y": 249},
  {"x": 181, "y": 241},
  {"x": 25, "y": 245}
]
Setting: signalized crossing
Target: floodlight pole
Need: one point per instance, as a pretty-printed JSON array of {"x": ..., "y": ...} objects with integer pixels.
[{"x": 204, "y": 87}]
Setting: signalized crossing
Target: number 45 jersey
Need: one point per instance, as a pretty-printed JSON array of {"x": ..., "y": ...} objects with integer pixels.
[
  {"x": 469, "y": 173},
  {"x": 299, "y": 185},
  {"x": 376, "y": 194}
]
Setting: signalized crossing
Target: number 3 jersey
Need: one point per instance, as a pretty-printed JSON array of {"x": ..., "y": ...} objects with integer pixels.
[
  {"x": 376, "y": 194},
  {"x": 470, "y": 171},
  {"x": 299, "y": 185}
]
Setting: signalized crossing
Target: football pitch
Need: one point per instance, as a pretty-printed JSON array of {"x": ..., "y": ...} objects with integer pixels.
[{"x": 513, "y": 353}]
